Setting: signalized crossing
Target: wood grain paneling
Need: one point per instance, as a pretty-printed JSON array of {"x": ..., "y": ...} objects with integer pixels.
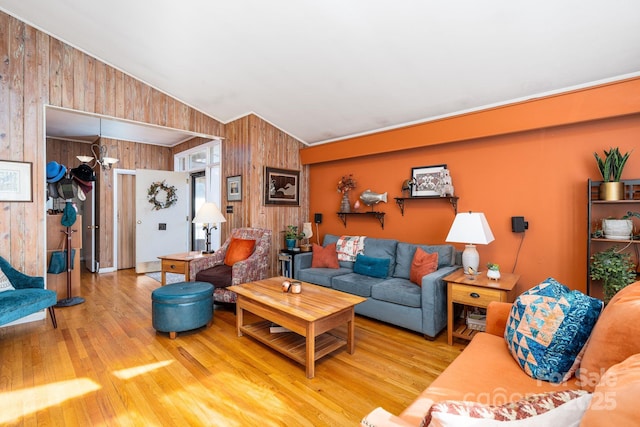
[{"x": 38, "y": 70}]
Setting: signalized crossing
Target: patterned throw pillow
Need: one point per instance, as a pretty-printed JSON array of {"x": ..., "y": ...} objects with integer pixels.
[
  {"x": 561, "y": 408},
  {"x": 5, "y": 284},
  {"x": 547, "y": 328}
]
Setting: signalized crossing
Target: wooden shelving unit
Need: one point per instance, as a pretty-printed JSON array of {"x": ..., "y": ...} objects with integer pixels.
[{"x": 378, "y": 215}]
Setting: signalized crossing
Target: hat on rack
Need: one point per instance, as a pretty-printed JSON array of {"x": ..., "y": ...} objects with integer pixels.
[
  {"x": 68, "y": 215},
  {"x": 77, "y": 190},
  {"x": 55, "y": 171},
  {"x": 85, "y": 185},
  {"x": 65, "y": 188},
  {"x": 83, "y": 172}
]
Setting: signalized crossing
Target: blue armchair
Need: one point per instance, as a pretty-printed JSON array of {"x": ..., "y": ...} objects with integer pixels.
[{"x": 28, "y": 297}]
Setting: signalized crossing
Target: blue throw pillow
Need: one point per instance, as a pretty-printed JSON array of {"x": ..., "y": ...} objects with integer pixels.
[
  {"x": 370, "y": 266},
  {"x": 547, "y": 328}
]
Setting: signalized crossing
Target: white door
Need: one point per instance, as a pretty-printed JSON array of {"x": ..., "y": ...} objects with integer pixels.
[{"x": 160, "y": 231}]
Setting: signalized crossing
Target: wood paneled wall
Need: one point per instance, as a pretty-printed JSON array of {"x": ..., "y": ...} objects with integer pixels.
[
  {"x": 36, "y": 70},
  {"x": 251, "y": 144}
]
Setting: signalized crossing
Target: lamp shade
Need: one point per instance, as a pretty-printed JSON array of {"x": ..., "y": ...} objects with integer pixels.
[
  {"x": 470, "y": 227},
  {"x": 307, "y": 230},
  {"x": 209, "y": 213}
]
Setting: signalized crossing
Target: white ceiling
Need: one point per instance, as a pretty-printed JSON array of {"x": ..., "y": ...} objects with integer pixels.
[{"x": 323, "y": 70}]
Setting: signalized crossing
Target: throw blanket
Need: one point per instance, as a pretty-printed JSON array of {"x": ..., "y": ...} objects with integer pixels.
[{"x": 348, "y": 247}]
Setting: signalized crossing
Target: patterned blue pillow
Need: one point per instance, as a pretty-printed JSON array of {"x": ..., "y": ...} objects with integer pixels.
[
  {"x": 370, "y": 266},
  {"x": 547, "y": 328}
]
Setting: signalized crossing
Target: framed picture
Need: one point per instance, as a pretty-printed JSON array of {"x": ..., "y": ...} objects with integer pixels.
[
  {"x": 281, "y": 187},
  {"x": 234, "y": 188},
  {"x": 15, "y": 181},
  {"x": 426, "y": 180}
]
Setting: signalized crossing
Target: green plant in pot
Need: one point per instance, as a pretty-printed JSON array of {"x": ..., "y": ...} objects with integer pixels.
[
  {"x": 611, "y": 167},
  {"x": 615, "y": 269},
  {"x": 619, "y": 228},
  {"x": 291, "y": 235}
]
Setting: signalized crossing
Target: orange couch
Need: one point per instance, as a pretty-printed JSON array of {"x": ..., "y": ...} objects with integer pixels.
[{"x": 485, "y": 372}]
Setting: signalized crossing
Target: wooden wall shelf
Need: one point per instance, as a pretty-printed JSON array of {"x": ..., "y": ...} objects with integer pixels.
[
  {"x": 378, "y": 215},
  {"x": 452, "y": 199}
]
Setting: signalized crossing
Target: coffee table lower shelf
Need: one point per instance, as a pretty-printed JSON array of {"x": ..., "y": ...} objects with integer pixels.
[{"x": 291, "y": 344}]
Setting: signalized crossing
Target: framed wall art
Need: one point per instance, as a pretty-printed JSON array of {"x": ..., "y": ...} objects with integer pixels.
[
  {"x": 234, "y": 188},
  {"x": 426, "y": 180},
  {"x": 281, "y": 187},
  {"x": 15, "y": 181}
]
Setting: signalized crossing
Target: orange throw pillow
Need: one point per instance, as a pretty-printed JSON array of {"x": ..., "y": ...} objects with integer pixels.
[
  {"x": 326, "y": 257},
  {"x": 238, "y": 250},
  {"x": 423, "y": 263}
]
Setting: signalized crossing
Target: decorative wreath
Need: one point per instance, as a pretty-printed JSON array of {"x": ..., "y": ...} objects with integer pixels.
[{"x": 170, "y": 199}]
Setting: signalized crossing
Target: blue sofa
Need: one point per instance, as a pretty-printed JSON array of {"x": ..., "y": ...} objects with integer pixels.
[
  {"x": 393, "y": 299},
  {"x": 28, "y": 297}
]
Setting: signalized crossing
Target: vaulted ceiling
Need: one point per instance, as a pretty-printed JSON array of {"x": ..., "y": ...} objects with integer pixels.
[{"x": 324, "y": 70}]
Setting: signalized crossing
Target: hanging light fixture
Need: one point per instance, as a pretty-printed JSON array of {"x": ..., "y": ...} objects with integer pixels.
[{"x": 99, "y": 155}]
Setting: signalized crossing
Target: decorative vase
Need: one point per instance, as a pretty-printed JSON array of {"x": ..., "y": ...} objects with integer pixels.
[
  {"x": 493, "y": 274},
  {"x": 345, "y": 206},
  {"x": 611, "y": 191}
]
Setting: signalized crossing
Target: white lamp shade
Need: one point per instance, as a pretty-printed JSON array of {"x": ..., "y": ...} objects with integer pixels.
[
  {"x": 306, "y": 229},
  {"x": 209, "y": 213},
  {"x": 470, "y": 227}
]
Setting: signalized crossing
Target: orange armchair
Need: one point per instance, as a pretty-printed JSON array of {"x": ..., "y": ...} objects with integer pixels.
[{"x": 212, "y": 268}]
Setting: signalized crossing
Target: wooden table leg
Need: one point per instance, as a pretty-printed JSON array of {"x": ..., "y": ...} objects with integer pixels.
[
  {"x": 163, "y": 277},
  {"x": 351, "y": 333},
  {"x": 449, "y": 315},
  {"x": 310, "y": 363},
  {"x": 239, "y": 316}
]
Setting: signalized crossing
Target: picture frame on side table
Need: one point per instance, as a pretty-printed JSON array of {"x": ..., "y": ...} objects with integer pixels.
[
  {"x": 16, "y": 181},
  {"x": 427, "y": 180},
  {"x": 281, "y": 187},
  {"x": 234, "y": 188}
]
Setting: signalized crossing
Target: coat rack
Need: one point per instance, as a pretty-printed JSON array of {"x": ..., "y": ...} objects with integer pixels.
[{"x": 69, "y": 300}]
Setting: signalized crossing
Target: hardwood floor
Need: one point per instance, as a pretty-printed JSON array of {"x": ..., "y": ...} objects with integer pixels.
[{"x": 105, "y": 365}]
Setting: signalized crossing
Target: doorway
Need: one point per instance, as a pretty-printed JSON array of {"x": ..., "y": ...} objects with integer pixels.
[
  {"x": 198, "y": 196},
  {"x": 126, "y": 220}
]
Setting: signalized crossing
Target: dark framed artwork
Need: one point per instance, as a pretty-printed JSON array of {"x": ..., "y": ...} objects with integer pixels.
[
  {"x": 16, "y": 181},
  {"x": 426, "y": 180},
  {"x": 234, "y": 188},
  {"x": 281, "y": 187}
]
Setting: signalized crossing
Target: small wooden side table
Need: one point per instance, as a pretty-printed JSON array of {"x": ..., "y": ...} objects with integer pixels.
[
  {"x": 478, "y": 291},
  {"x": 178, "y": 263}
]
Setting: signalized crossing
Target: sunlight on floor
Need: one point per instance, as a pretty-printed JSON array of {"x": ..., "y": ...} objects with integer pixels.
[
  {"x": 15, "y": 404},
  {"x": 125, "y": 374}
]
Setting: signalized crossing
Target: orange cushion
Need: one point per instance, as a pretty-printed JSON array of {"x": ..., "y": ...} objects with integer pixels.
[
  {"x": 423, "y": 263},
  {"x": 615, "y": 398},
  {"x": 324, "y": 257},
  {"x": 238, "y": 250},
  {"x": 610, "y": 341}
]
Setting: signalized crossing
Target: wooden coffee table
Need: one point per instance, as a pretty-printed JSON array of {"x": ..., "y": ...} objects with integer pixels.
[{"x": 309, "y": 315}]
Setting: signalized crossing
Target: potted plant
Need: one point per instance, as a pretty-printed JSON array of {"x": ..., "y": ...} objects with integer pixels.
[
  {"x": 611, "y": 170},
  {"x": 619, "y": 229},
  {"x": 291, "y": 235},
  {"x": 493, "y": 271},
  {"x": 614, "y": 268}
]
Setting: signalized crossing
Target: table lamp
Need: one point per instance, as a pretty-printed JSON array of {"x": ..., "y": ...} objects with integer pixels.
[
  {"x": 308, "y": 233},
  {"x": 471, "y": 228},
  {"x": 209, "y": 216}
]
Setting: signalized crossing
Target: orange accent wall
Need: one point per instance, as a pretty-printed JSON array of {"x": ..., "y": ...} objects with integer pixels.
[{"x": 540, "y": 174}]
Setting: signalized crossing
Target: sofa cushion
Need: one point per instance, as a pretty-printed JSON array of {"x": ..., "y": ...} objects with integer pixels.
[
  {"x": 406, "y": 251},
  {"x": 355, "y": 284},
  {"x": 321, "y": 276},
  {"x": 423, "y": 263},
  {"x": 5, "y": 284},
  {"x": 239, "y": 250},
  {"x": 219, "y": 276},
  {"x": 371, "y": 266},
  {"x": 563, "y": 408},
  {"x": 547, "y": 328},
  {"x": 382, "y": 248},
  {"x": 398, "y": 291},
  {"x": 615, "y": 398},
  {"x": 324, "y": 256},
  {"x": 609, "y": 342}
]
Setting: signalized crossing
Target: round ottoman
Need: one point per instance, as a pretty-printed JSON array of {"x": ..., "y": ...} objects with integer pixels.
[{"x": 181, "y": 307}]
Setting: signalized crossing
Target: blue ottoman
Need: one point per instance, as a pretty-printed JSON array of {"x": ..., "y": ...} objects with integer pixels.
[{"x": 181, "y": 307}]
